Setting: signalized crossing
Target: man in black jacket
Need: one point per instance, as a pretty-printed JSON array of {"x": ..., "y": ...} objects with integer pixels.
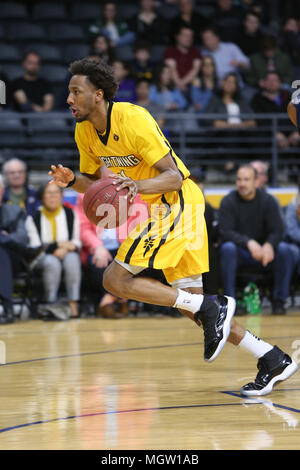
[
  {"x": 13, "y": 238},
  {"x": 251, "y": 230}
]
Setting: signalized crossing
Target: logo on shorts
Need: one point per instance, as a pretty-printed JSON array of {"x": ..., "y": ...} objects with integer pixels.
[
  {"x": 116, "y": 137},
  {"x": 148, "y": 244}
]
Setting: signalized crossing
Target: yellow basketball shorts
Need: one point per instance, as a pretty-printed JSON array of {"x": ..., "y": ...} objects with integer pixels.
[{"x": 174, "y": 238}]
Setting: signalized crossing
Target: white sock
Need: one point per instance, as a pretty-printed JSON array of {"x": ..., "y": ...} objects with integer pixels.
[
  {"x": 187, "y": 301},
  {"x": 254, "y": 345}
]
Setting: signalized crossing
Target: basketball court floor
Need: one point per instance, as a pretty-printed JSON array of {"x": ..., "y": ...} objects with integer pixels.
[{"x": 141, "y": 383}]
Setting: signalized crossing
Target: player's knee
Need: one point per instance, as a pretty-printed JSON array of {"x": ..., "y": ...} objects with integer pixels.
[{"x": 107, "y": 281}]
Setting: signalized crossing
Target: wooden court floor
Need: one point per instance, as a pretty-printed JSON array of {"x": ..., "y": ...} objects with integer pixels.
[{"x": 141, "y": 383}]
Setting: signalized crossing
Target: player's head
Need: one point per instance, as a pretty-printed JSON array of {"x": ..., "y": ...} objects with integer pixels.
[{"x": 92, "y": 83}]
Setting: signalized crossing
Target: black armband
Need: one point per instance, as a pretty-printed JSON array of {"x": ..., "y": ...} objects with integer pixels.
[{"x": 71, "y": 182}]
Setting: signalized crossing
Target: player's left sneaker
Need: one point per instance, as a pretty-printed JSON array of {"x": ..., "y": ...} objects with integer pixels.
[
  {"x": 275, "y": 366},
  {"x": 215, "y": 316}
]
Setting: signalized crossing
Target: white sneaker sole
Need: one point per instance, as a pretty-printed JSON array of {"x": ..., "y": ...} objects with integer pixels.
[
  {"x": 288, "y": 371},
  {"x": 226, "y": 328}
]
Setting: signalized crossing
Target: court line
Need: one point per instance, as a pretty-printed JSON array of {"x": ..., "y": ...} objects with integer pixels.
[
  {"x": 238, "y": 395},
  {"x": 142, "y": 348},
  {"x": 18, "y": 426}
]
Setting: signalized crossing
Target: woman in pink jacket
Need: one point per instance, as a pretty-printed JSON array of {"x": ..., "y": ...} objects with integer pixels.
[{"x": 99, "y": 248}]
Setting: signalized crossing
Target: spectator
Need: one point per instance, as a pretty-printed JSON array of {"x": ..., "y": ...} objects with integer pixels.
[
  {"x": 183, "y": 59},
  {"x": 18, "y": 191},
  {"x": 117, "y": 31},
  {"x": 155, "y": 109},
  {"x": 148, "y": 25},
  {"x": 231, "y": 104},
  {"x": 292, "y": 230},
  {"x": 165, "y": 93},
  {"x": 272, "y": 99},
  {"x": 227, "y": 18},
  {"x": 3, "y": 94},
  {"x": 228, "y": 56},
  {"x": 31, "y": 92},
  {"x": 269, "y": 59},
  {"x": 250, "y": 36},
  {"x": 126, "y": 90},
  {"x": 57, "y": 228},
  {"x": 187, "y": 18},
  {"x": 290, "y": 40},
  {"x": 13, "y": 239},
  {"x": 204, "y": 85},
  {"x": 251, "y": 229},
  {"x": 142, "y": 65},
  {"x": 262, "y": 174},
  {"x": 102, "y": 50}
]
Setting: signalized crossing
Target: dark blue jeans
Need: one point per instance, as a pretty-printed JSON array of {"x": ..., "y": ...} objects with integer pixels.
[{"x": 233, "y": 257}]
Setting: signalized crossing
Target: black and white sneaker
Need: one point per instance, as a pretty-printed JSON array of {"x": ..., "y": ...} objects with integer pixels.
[
  {"x": 275, "y": 366},
  {"x": 215, "y": 316}
]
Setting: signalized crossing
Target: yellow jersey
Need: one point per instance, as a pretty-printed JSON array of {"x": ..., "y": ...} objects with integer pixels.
[{"x": 130, "y": 146}]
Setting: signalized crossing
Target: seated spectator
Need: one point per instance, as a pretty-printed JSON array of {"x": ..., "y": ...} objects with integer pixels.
[
  {"x": 57, "y": 229},
  {"x": 289, "y": 39},
  {"x": 117, "y": 31},
  {"x": 183, "y": 59},
  {"x": 126, "y": 90},
  {"x": 142, "y": 65},
  {"x": 228, "y": 56},
  {"x": 102, "y": 50},
  {"x": 3, "y": 94},
  {"x": 273, "y": 99},
  {"x": 13, "y": 239},
  {"x": 204, "y": 85},
  {"x": 99, "y": 247},
  {"x": 165, "y": 93},
  {"x": 227, "y": 18},
  {"x": 230, "y": 103},
  {"x": 148, "y": 25},
  {"x": 251, "y": 230},
  {"x": 262, "y": 174},
  {"x": 292, "y": 230},
  {"x": 155, "y": 109},
  {"x": 187, "y": 18},
  {"x": 269, "y": 59},
  {"x": 31, "y": 92},
  {"x": 17, "y": 190},
  {"x": 249, "y": 37}
]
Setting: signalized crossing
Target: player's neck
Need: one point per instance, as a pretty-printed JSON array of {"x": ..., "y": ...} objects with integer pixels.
[{"x": 99, "y": 117}]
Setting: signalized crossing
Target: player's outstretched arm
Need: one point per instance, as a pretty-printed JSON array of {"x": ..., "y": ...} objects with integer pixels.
[{"x": 64, "y": 177}]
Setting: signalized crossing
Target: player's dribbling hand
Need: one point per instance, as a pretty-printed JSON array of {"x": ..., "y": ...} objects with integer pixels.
[
  {"x": 125, "y": 182},
  {"x": 61, "y": 175}
]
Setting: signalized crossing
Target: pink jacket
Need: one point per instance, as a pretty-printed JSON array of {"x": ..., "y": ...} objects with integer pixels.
[{"x": 90, "y": 235}]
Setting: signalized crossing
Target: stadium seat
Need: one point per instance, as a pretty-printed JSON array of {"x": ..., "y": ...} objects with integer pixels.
[
  {"x": 61, "y": 32},
  {"x": 49, "y": 11},
  {"x": 85, "y": 11},
  {"x": 12, "y": 11},
  {"x": 48, "y": 53},
  {"x": 53, "y": 139},
  {"x": 13, "y": 71},
  {"x": 54, "y": 73},
  {"x": 26, "y": 32},
  {"x": 157, "y": 53},
  {"x": 2, "y": 32},
  {"x": 48, "y": 122},
  {"x": 11, "y": 121},
  {"x": 127, "y": 10},
  {"x": 168, "y": 11},
  {"x": 9, "y": 53},
  {"x": 74, "y": 52},
  {"x": 125, "y": 53}
]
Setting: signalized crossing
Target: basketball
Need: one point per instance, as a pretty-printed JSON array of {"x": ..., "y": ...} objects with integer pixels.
[{"x": 104, "y": 205}]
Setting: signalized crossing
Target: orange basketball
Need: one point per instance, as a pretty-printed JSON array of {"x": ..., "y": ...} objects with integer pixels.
[{"x": 104, "y": 205}]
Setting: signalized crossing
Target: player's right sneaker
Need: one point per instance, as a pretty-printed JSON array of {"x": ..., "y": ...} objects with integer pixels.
[
  {"x": 274, "y": 366},
  {"x": 215, "y": 316}
]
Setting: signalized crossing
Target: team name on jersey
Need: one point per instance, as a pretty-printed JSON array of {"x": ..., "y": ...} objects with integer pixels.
[{"x": 128, "y": 161}]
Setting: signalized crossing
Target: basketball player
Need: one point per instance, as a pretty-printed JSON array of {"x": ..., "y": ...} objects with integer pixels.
[{"x": 125, "y": 138}]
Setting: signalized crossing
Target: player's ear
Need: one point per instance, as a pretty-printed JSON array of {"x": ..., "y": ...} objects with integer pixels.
[{"x": 99, "y": 95}]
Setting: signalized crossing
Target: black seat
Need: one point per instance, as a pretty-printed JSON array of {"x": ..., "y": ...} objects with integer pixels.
[
  {"x": 75, "y": 52},
  {"x": 54, "y": 73},
  {"x": 49, "y": 11},
  {"x": 66, "y": 32},
  {"x": 13, "y": 71},
  {"x": 21, "y": 32},
  {"x": 48, "y": 53},
  {"x": 9, "y": 53},
  {"x": 85, "y": 11},
  {"x": 12, "y": 11}
]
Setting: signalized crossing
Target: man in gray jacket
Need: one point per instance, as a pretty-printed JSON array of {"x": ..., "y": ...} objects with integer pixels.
[{"x": 13, "y": 238}]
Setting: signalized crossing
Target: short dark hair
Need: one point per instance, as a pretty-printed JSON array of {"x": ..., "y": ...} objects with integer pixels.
[{"x": 98, "y": 73}]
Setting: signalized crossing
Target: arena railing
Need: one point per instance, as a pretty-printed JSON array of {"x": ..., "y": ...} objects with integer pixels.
[{"x": 44, "y": 138}]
